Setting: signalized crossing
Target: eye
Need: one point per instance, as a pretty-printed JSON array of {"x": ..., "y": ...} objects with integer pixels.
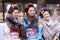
[
  {"x": 21, "y": 16},
  {"x": 30, "y": 10},
  {"x": 33, "y": 10},
  {"x": 45, "y": 14},
  {"x": 16, "y": 12},
  {"x": 48, "y": 14}
]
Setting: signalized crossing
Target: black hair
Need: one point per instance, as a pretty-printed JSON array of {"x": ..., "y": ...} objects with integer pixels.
[
  {"x": 26, "y": 9},
  {"x": 41, "y": 15},
  {"x": 12, "y": 9}
]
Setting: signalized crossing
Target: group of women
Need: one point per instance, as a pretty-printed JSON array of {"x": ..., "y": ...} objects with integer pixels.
[{"x": 30, "y": 26}]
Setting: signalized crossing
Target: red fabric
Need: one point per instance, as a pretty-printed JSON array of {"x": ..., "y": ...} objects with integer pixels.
[{"x": 14, "y": 31}]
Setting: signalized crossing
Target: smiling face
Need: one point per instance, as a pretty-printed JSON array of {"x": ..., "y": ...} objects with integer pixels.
[
  {"x": 46, "y": 15},
  {"x": 31, "y": 11},
  {"x": 15, "y": 13}
]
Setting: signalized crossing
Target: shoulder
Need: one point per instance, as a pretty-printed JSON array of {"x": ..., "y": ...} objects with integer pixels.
[
  {"x": 40, "y": 21},
  {"x": 9, "y": 16},
  {"x": 54, "y": 21}
]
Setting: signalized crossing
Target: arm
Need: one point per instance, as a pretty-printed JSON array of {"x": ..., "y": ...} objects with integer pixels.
[{"x": 40, "y": 29}]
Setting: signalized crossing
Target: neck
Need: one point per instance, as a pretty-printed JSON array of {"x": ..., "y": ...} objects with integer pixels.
[
  {"x": 46, "y": 20},
  {"x": 30, "y": 16}
]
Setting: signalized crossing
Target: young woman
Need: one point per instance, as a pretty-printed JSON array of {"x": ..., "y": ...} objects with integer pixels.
[
  {"x": 50, "y": 26},
  {"x": 13, "y": 22},
  {"x": 34, "y": 30},
  {"x": 22, "y": 19}
]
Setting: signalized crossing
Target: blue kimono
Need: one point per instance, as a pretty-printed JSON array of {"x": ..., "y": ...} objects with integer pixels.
[{"x": 33, "y": 33}]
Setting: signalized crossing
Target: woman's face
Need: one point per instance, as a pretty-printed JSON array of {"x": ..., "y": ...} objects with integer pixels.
[
  {"x": 31, "y": 11},
  {"x": 21, "y": 15},
  {"x": 15, "y": 13},
  {"x": 46, "y": 15}
]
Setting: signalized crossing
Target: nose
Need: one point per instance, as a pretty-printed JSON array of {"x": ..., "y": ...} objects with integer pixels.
[
  {"x": 32, "y": 10},
  {"x": 16, "y": 13}
]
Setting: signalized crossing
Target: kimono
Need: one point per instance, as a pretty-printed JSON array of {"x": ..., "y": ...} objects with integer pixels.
[
  {"x": 50, "y": 29},
  {"x": 15, "y": 26},
  {"x": 33, "y": 33}
]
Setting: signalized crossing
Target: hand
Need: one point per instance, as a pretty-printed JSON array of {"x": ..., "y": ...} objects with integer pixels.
[{"x": 39, "y": 22}]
